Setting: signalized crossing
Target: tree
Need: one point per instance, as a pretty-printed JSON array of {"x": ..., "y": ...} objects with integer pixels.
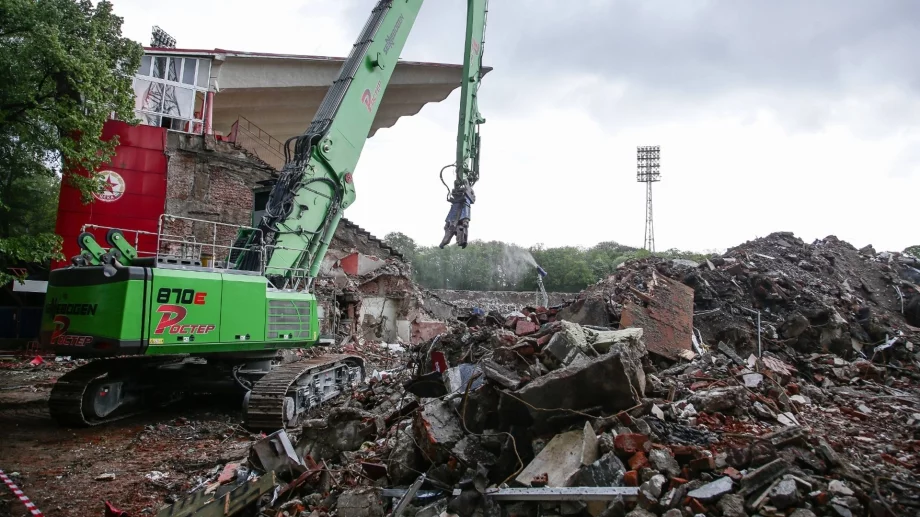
[
  {"x": 402, "y": 243},
  {"x": 913, "y": 250},
  {"x": 66, "y": 69}
]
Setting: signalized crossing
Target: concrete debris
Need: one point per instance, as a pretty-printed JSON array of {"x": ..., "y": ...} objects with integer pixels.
[
  {"x": 752, "y": 380},
  {"x": 575, "y": 388},
  {"x": 784, "y": 494},
  {"x": 361, "y": 502},
  {"x": 714, "y": 490},
  {"x": 663, "y": 461},
  {"x": 839, "y": 488},
  {"x": 732, "y": 505},
  {"x": 652, "y": 488},
  {"x": 437, "y": 429},
  {"x": 720, "y": 399},
  {"x": 601, "y": 394},
  {"x": 563, "y": 458},
  {"x": 566, "y": 345}
]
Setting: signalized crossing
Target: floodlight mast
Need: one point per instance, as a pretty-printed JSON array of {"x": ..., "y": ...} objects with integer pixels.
[{"x": 648, "y": 172}]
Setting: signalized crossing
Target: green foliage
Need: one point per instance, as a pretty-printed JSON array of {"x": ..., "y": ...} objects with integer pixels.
[
  {"x": 498, "y": 266},
  {"x": 66, "y": 68},
  {"x": 913, "y": 250}
]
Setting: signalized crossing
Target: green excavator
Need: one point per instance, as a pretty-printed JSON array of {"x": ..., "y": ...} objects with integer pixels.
[{"x": 158, "y": 328}]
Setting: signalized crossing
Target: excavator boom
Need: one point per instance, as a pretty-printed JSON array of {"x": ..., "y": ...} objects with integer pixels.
[
  {"x": 317, "y": 182},
  {"x": 461, "y": 196}
]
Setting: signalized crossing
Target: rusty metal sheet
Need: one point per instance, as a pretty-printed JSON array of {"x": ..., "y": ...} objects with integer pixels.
[{"x": 667, "y": 320}]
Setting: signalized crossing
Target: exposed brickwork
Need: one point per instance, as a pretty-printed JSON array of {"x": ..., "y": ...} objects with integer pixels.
[
  {"x": 667, "y": 320},
  {"x": 211, "y": 181}
]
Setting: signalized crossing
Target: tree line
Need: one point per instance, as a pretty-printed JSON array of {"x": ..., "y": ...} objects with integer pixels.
[{"x": 500, "y": 266}]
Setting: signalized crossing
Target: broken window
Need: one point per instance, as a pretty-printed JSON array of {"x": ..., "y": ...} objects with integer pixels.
[{"x": 170, "y": 92}]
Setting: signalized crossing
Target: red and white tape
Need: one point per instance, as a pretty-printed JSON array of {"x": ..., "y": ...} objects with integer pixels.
[{"x": 22, "y": 497}]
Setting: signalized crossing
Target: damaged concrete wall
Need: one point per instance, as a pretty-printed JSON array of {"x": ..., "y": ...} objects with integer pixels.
[
  {"x": 501, "y": 301},
  {"x": 209, "y": 180}
]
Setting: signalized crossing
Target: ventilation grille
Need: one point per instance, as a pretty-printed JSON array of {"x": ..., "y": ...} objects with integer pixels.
[{"x": 289, "y": 318}]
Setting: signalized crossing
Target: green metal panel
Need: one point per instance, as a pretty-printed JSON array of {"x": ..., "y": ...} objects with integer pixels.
[
  {"x": 107, "y": 311},
  {"x": 291, "y": 317},
  {"x": 185, "y": 308},
  {"x": 242, "y": 317}
]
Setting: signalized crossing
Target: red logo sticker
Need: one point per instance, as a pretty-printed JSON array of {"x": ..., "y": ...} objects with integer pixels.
[
  {"x": 171, "y": 321},
  {"x": 113, "y": 187},
  {"x": 60, "y": 337}
]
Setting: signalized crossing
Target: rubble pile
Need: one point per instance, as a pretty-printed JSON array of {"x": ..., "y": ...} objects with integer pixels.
[
  {"x": 826, "y": 296},
  {"x": 653, "y": 393},
  {"x": 597, "y": 430},
  {"x": 779, "y": 379}
]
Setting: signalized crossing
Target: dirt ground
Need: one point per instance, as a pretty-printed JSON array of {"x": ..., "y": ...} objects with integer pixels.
[{"x": 154, "y": 458}]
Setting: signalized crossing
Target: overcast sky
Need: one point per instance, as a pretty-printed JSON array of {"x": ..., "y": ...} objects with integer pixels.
[{"x": 772, "y": 115}]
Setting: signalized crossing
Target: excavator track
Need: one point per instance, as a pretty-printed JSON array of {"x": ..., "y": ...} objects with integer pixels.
[
  {"x": 69, "y": 392},
  {"x": 265, "y": 410}
]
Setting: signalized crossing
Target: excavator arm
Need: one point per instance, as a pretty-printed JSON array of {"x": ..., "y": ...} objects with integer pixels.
[
  {"x": 466, "y": 167},
  {"x": 316, "y": 184}
]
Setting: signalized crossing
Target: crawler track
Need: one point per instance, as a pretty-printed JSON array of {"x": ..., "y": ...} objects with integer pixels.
[
  {"x": 265, "y": 410},
  {"x": 66, "y": 401}
]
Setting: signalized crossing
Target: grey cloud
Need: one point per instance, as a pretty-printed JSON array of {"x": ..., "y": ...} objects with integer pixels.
[{"x": 680, "y": 58}]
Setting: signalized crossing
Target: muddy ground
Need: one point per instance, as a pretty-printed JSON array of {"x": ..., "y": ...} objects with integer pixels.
[{"x": 58, "y": 468}]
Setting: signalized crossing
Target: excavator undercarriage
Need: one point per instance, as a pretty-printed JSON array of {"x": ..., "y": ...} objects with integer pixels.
[{"x": 274, "y": 395}]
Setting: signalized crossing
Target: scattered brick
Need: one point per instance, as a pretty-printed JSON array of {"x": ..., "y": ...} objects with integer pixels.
[{"x": 629, "y": 444}]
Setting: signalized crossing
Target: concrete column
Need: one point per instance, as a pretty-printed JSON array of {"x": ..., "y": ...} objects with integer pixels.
[{"x": 209, "y": 113}]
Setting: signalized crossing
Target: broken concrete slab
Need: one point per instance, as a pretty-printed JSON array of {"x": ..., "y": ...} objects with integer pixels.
[
  {"x": 732, "y": 505},
  {"x": 562, "y": 458},
  {"x": 786, "y": 436},
  {"x": 591, "y": 310},
  {"x": 402, "y": 462},
  {"x": 752, "y": 380},
  {"x": 784, "y": 494},
  {"x": 565, "y": 346},
  {"x": 606, "y": 471},
  {"x": 577, "y": 387},
  {"x": 667, "y": 320},
  {"x": 500, "y": 375},
  {"x": 756, "y": 479},
  {"x": 719, "y": 399},
  {"x": 470, "y": 451},
  {"x": 342, "y": 430},
  {"x": 839, "y": 488},
  {"x": 603, "y": 340},
  {"x": 726, "y": 349},
  {"x": 714, "y": 490},
  {"x": 663, "y": 461},
  {"x": 653, "y": 488},
  {"x": 361, "y": 502},
  {"x": 437, "y": 429}
]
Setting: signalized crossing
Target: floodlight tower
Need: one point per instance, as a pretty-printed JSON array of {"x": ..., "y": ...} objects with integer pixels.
[
  {"x": 648, "y": 173},
  {"x": 160, "y": 39}
]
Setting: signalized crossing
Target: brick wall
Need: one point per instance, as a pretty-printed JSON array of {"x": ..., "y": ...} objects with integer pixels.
[{"x": 212, "y": 181}]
